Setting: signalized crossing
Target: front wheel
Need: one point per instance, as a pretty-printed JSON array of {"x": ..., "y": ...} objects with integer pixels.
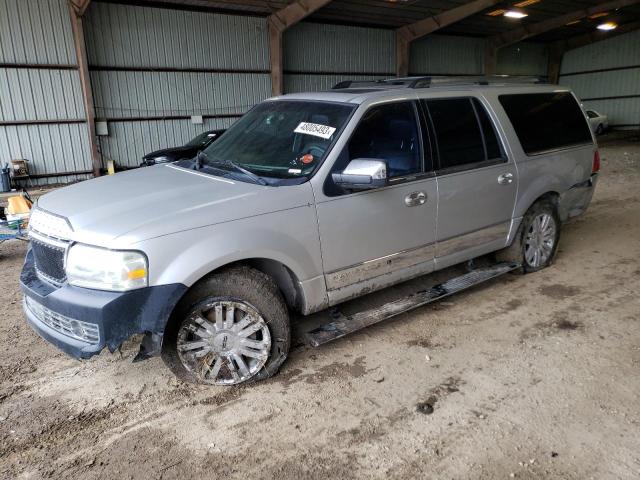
[
  {"x": 537, "y": 238},
  {"x": 230, "y": 329},
  {"x": 599, "y": 130}
]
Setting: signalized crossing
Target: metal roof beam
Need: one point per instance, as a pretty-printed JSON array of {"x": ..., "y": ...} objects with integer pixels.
[
  {"x": 528, "y": 31},
  {"x": 593, "y": 37},
  {"x": 277, "y": 23},
  {"x": 408, "y": 33},
  {"x": 79, "y": 6}
]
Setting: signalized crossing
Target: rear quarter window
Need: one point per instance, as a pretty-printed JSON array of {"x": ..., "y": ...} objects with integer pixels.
[{"x": 546, "y": 121}]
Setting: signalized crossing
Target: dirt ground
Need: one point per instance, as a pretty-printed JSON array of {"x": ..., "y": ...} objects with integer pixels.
[{"x": 533, "y": 376}]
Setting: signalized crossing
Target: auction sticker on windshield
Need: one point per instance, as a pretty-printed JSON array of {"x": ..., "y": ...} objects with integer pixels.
[{"x": 315, "y": 129}]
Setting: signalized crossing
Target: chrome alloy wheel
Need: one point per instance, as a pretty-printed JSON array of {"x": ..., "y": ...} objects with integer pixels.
[
  {"x": 224, "y": 342},
  {"x": 540, "y": 240}
]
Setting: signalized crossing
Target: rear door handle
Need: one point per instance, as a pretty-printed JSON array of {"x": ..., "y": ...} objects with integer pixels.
[
  {"x": 505, "y": 179},
  {"x": 415, "y": 199}
]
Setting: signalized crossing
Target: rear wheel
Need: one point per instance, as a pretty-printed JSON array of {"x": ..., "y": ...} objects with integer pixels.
[
  {"x": 230, "y": 329},
  {"x": 537, "y": 238}
]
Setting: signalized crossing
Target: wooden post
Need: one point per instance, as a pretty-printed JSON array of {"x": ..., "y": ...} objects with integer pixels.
[
  {"x": 490, "y": 58},
  {"x": 408, "y": 33},
  {"x": 85, "y": 83},
  {"x": 275, "y": 58},
  {"x": 555, "y": 62},
  {"x": 277, "y": 23},
  {"x": 402, "y": 54}
]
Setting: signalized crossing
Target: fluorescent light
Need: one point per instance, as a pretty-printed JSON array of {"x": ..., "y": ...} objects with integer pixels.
[
  {"x": 525, "y": 3},
  {"x": 607, "y": 26},
  {"x": 514, "y": 14}
]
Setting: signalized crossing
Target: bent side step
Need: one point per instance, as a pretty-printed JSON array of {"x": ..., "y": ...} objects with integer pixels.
[{"x": 343, "y": 325}]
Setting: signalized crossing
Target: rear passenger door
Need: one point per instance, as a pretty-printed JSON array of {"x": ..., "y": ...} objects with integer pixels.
[{"x": 477, "y": 183}]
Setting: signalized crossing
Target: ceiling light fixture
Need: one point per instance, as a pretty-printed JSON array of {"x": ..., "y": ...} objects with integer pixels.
[
  {"x": 495, "y": 13},
  {"x": 514, "y": 14},
  {"x": 606, "y": 26},
  {"x": 598, "y": 15}
]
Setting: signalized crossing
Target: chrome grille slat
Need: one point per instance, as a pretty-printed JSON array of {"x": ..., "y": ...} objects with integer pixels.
[{"x": 70, "y": 327}]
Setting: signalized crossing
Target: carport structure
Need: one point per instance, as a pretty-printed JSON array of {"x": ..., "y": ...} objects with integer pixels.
[{"x": 86, "y": 81}]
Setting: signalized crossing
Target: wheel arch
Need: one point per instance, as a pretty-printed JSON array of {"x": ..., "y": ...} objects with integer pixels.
[
  {"x": 284, "y": 277},
  {"x": 550, "y": 195}
]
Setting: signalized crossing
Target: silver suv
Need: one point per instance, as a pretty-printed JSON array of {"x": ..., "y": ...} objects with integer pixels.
[{"x": 307, "y": 201}]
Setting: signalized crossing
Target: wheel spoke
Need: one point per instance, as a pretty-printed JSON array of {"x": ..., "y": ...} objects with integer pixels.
[
  {"x": 230, "y": 317},
  {"x": 185, "y": 347},
  {"x": 251, "y": 329},
  {"x": 246, "y": 320},
  {"x": 244, "y": 370},
  {"x": 205, "y": 323},
  {"x": 259, "y": 354},
  {"x": 257, "y": 344},
  {"x": 213, "y": 372},
  {"x": 233, "y": 369},
  {"x": 219, "y": 319}
]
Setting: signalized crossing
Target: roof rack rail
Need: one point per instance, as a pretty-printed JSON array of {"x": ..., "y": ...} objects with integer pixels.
[{"x": 439, "y": 80}]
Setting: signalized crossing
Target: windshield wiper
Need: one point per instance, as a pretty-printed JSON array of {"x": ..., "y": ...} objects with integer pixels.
[{"x": 233, "y": 165}]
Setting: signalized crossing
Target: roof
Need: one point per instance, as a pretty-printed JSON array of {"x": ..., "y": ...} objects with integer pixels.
[
  {"x": 360, "y": 95},
  {"x": 397, "y": 13}
]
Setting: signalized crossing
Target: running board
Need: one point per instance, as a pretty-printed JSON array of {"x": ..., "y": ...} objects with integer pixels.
[{"x": 343, "y": 325}]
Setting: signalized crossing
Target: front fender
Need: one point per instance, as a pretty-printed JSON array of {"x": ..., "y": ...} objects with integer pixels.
[{"x": 289, "y": 237}]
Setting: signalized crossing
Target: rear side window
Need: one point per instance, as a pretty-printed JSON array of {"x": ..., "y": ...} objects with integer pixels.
[
  {"x": 464, "y": 133},
  {"x": 457, "y": 132},
  {"x": 546, "y": 121}
]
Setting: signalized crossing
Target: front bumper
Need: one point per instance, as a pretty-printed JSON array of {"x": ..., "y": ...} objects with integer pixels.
[{"x": 117, "y": 315}]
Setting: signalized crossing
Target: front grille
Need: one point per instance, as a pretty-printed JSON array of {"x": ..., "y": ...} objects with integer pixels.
[
  {"x": 84, "y": 331},
  {"x": 49, "y": 260}
]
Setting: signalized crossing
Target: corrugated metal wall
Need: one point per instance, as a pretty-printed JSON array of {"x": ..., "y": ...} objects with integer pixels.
[
  {"x": 452, "y": 55},
  {"x": 447, "y": 55},
  {"x": 317, "y": 56},
  {"x": 41, "y": 110},
  {"x": 151, "y": 65},
  {"x": 153, "y": 68},
  {"x": 606, "y": 76},
  {"x": 523, "y": 59}
]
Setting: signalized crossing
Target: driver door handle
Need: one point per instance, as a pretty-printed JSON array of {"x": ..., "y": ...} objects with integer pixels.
[
  {"x": 505, "y": 179},
  {"x": 415, "y": 198}
]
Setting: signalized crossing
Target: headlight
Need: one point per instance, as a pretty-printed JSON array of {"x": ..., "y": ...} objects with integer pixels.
[{"x": 103, "y": 269}]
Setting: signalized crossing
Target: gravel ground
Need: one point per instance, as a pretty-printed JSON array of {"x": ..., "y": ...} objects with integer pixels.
[{"x": 531, "y": 376}]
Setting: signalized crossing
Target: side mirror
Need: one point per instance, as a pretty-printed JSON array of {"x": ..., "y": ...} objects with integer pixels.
[{"x": 362, "y": 174}]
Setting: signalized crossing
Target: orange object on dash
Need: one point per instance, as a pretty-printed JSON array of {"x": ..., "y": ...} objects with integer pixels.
[{"x": 307, "y": 158}]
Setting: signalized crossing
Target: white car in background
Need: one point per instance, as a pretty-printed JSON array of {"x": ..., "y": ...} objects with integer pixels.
[{"x": 599, "y": 123}]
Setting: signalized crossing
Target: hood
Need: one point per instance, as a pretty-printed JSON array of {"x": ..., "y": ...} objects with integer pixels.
[{"x": 128, "y": 207}]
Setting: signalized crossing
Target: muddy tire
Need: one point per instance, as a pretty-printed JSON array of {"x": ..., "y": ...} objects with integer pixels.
[
  {"x": 536, "y": 241},
  {"x": 231, "y": 328}
]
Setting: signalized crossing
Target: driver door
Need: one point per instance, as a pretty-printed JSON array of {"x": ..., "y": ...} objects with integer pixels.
[{"x": 374, "y": 238}]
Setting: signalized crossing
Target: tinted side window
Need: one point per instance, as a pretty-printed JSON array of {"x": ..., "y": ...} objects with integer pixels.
[
  {"x": 389, "y": 132},
  {"x": 546, "y": 121},
  {"x": 488, "y": 132},
  {"x": 457, "y": 132},
  {"x": 591, "y": 114}
]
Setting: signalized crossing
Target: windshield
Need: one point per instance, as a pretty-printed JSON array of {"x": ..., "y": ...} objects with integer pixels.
[
  {"x": 281, "y": 139},
  {"x": 201, "y": 140}
]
